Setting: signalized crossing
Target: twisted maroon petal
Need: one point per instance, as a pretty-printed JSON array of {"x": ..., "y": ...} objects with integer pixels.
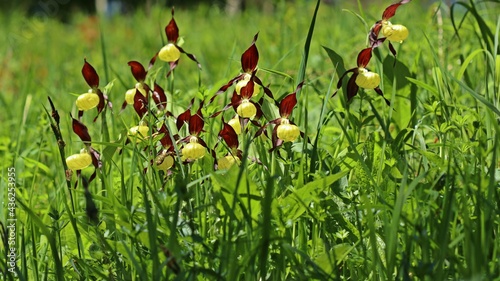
[
  {"x": 250, "y": 57},
  {"x": 90, "y": 75}
]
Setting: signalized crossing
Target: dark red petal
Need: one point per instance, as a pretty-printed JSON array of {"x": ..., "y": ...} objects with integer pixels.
[
  {"x": 250, "y": 57},
  {"x": 339, "y": 84},
  {"x": 191, "y": 56},
  {"x": 96, "y": 158},
  {"x": 258, "y": 106},
  {"x": 364, "y": 57},
  {"x": 235, "y": 100},
  {"x": 171, "y": 30},
  {"x": 276, "y": 141},
  {"x": 140, "y": 103},
  {"x": 247, "y": 91},
  {"x": 90, "y": 75},
  {"x": 101, "y": 104},
  {"x": 153, "y": 60},
  {"x": 267, "y": 91},
  {"x": 229, "y": 135},
  {"x": 137, "y": 70},
  {"x": 81, "y": 131},
  {"x": 165, "y": 140},
  {"x": 352, "y": 87},
  {"x": 287, "y": 104},
  {"x": 382, "y": 94},
  {"x": 183, "y": 118},
  {"x": 393, "y": 51},
  {"x": 159, "y": 97},
  {"x": 124, "y": 105},
  {"x": 225, "y": 87},
  {"x": 196, "y": 123},
  {"x": 374, "y": 31},
  {"x": 377, "y": 42},
  {"x": 391, "y": 10}
]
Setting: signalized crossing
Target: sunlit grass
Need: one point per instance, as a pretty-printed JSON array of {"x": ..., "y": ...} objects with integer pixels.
[{"x": 372, "y": 192}]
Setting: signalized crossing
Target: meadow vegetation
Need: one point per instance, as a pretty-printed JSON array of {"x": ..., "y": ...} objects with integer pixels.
[{"x": 407, "y": 189}]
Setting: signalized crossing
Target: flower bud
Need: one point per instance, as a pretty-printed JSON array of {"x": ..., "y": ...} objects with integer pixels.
[
  {"x": 367, "y": 79},
  {"x": 164, "y": 162},
  {"x": 243, "y": 82},
  {"x": 394, "y": 32},
  {"x": 87, "y": 101},
  {"x": 226, "y": 162},
  {"x": 169, "y": 53},
  {"x": 235, "y": 123},
  {"x": 139, "y": 133},
  {"x": 287, "y": 131},
  {"x": 79, "y": 161},
  {"x": 193, "y": 150},
  {"x": 246, "y": 109},
  {"x": 130, "y": 94}
]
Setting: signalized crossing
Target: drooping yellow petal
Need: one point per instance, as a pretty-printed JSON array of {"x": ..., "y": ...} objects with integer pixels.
[
  {"x": 394, "y": 32},
  {"x": 287, "y": 131},
  {"x": 246, "y": 109},
  {"x": 164, "y": 164},
  {"x": 87, "y": 101},
  {"x": 243, "y": 82},
  {"x": 138, "y": 133},
  {"x": 227, "y": 162},
  {"x": 235, "y": 123},
  {"x": 367, "y": 79},
  {"x": 169, "y": 53},
  {"x": 130, "y": 94},
  {"x": 193, "y": 151},
  {"x": 79, "y": 161}
]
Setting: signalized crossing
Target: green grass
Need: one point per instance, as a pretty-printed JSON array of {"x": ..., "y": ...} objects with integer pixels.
[{"x": 409, "y": 191}]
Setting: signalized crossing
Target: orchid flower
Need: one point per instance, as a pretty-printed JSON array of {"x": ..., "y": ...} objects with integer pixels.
[
  {"x": 87, "y": 155},
  {"x": 194, "y": 147},
  {"x": 249, "y": 62},
  {"x": 230, "y": 137},
  {"x": 171, "y": 52},
  {"x": 391, "y": 32},
  {"x": 285, "y": 130},
  {"x": 361, "y": 77},
  {"x": 94, "y": 97}
]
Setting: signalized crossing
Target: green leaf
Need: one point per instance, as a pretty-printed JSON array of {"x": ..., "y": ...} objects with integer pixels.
[{"x": 296, "y": 203}]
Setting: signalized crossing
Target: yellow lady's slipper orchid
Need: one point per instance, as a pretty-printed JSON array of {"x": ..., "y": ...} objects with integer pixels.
[
  {"x": 79, "y": 161},
  {"x": 243, "y": 82},
  {"x": 129, "y": 95},
  {"x": 235, "y": 123},
  {"x": 226, "y": 162},
  {"x": 164, "y": 163},
  {"x": 246, "y": 109},
  {"x": 169, "y": 53},
  {"x": 287, "y": 131},
  {"x": 87, "y": 101},
  {"x": 367, "y": 79},
  {"x": 193, "y": 150},
  {"x": 139, "y": 133},
  {"x": 394, "y": 32}
]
